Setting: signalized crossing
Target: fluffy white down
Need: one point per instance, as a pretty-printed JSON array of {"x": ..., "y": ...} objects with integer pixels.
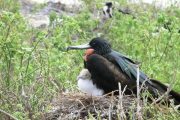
[{"x": 88, "y": 87}]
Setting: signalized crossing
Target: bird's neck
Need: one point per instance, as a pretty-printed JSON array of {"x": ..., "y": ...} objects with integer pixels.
[{"x": 103, "y": 51}]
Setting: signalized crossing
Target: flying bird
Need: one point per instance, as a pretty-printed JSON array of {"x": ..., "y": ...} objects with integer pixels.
[{"x": 108, "y": 67}]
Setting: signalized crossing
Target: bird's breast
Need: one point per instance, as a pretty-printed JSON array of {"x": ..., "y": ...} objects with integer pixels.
[{"x": 88, "y": 52}]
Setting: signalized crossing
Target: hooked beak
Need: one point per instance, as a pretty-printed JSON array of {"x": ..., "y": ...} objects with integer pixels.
[{"x": 80, "y": 47}]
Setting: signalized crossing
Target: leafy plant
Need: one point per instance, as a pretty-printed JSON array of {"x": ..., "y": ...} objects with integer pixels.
[{"x": 35, "y": 67}]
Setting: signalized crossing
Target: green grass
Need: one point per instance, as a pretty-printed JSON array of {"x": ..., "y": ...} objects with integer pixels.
[{"x": 34, "y": 66}]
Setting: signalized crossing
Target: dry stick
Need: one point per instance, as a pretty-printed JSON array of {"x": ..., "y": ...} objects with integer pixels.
[
  {"x": 120, "y": 105},
  {"x": 176, "y": 107},
  {"x": 110, "y": 93},
  {"x": 8, "y": 114},
  {"x": 169, "y": 88},
  {"x": 110, "y": 106},
  {"x": 162, "y": 96},
  {"x": 79, "y": 112},
  {"x": 81, "y": 103},
  {"x": 139, "y": 116},
  {"x": 109, "y": 116}
]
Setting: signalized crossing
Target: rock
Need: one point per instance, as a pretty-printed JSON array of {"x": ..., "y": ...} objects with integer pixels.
[
  {"x": 38, "y": 21},
  {"x": 66, "y": 5},
  {"x": 36, "y": 1},
  {"x": 162, "y": 4},
  {"x": 37, "y": 15},
  {"x": 71, "y": 5}
]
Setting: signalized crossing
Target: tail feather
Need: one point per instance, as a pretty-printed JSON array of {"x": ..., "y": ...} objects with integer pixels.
[{"x": 161, "y": 88}]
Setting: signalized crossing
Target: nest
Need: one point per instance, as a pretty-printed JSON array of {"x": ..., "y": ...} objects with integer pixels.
[{"x": 72, "y": 106}]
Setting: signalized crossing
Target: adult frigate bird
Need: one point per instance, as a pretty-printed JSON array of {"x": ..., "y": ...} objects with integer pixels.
[{"x": 108, "y": 68}]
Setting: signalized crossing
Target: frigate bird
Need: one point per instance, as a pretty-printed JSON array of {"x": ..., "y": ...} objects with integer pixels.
[{"x": 109, "y": 67}]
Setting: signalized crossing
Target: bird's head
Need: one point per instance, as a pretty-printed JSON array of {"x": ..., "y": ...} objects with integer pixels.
[
  {"x": 99, "y": 46},
  {"x": 84, "y": 74}
]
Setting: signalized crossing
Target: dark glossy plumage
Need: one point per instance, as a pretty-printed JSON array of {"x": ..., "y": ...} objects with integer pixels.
[
  {"x": 106, "y": 75},
  {"x": 125, "y": 64},
  {"x": 108, "y": 67}
]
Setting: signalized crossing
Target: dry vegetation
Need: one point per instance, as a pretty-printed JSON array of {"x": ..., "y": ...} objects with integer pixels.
[
  {"x": 74, "y": 106},
  {"x": 35, "y": 69}
]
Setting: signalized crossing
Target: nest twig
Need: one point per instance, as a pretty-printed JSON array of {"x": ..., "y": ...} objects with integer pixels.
[{"x": 69, "y": 106}]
